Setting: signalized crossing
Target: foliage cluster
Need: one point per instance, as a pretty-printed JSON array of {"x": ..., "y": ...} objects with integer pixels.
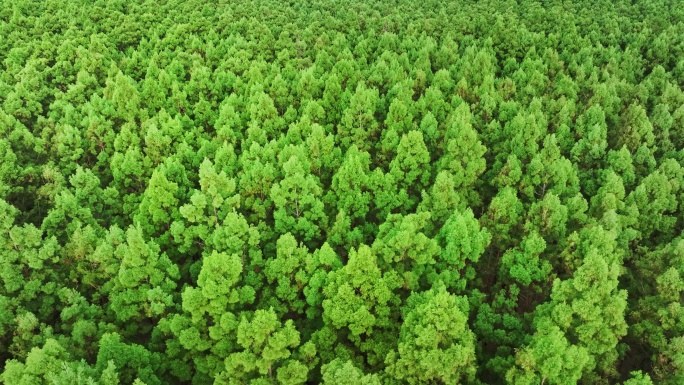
[{"x": 341, "y": 192}]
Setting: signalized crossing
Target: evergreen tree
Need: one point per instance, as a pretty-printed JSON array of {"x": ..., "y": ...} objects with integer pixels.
[{"x": 435, "y": 343}]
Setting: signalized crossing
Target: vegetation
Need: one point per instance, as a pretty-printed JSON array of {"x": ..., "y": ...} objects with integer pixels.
[{"x": 341, "y": 192}]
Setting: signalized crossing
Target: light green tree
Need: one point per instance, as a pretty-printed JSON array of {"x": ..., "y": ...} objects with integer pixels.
[{"x": 435, "y": 342}]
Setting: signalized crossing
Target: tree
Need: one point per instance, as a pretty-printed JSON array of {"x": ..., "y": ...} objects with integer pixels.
[
  {"x": 435, "y": 343},
  {"x": 550, "y": 171},
  {"x": 297, "y": 200},
  {"x": 503, "y": 217},
  {"x": 462, "y": 242},
  {"x": 129, "y": 176},
  {"x": 635, "y": 129},
  {"x": 638, "y": 378},
  {"x": 589, "y": 308},
  {"x": 549, "y": 217},
  {"x": 319, "y": 266},
  {"x": 158, "y": 203},
  {"x": 8, "y": 168},
  {"x": 345, "y": 373},
  {"x": 228, "y": 122},
  {"x": 132, "y": 361},
  {"x": 410, "y": 168},
  {"x": 24, "y": 100},
  {"x": 358, "y": 125},
  {"x": 263, "y": 113},
  {"x": 325, "y": 156},
  {"x": 145, "y": 285},
  {"x": 51, "y": 364},
  {"x": 404, "y": 249},
  {"x": 209, "y": 318},
  {"x": 30, "y": 274},
  {"x": 121, "y": 91},
  {"x": 523, "y": 133},
  {"x": 429, "y": 127},
  {"x": 257, "y": 175},
  {"x": 351, "y": 193},
  {"x": 523, "y": 264},
  {"x": 266, "y": 344},
  {"x": 656, "y": 317},
  {"x": 357, "y": 296},
  {"x": 211, "y": 216},
  {"x": 288, "y": 274},
  {"x": 399, "y": 117},
  {"x": 442, "y": 199},
  {"x": 590, "y": 150},
  {"x": 463, "y": 152},
  {"x": 549, "y": 358},
  {"x": 333, "y": 100},
  {"x": 656, "y": 200}
]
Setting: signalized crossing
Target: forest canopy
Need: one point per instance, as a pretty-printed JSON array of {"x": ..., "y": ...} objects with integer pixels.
[{"x": 341, "y": 192}]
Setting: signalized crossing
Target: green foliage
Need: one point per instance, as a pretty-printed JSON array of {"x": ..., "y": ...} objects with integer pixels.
[
  {"x": 549, "y": 358},
  {"x": 360, "y": 192},
  {"x": 345, "y": 373},
  {"x": 357, "y": 295},
  {"x": 266, "y": 344},
  {"x": 435, "y": 343},
  {"x": 297, "y": 199}
]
